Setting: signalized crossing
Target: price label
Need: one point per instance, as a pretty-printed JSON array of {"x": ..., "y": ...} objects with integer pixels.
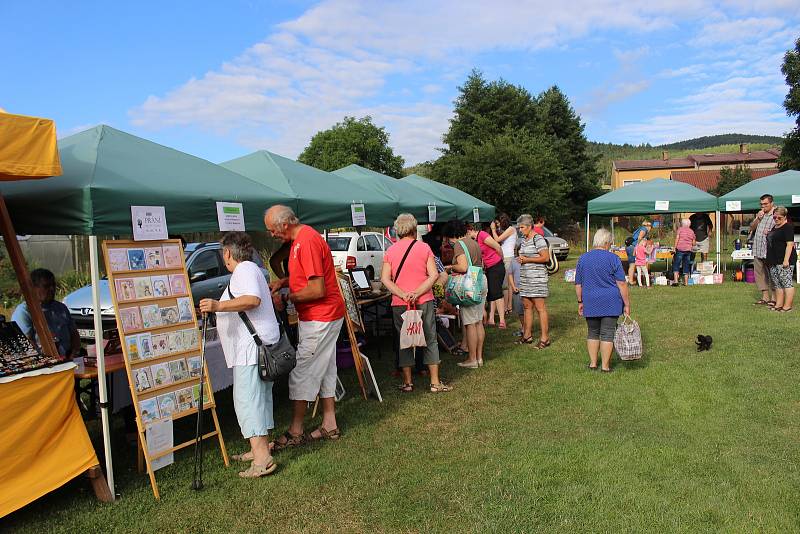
[
  {"x": 662, "y": 205},
  {"x": 149, "y": 223},
  {"x": 432, "y": 213},
  {"x": 795, "y": 199},
  {"x": 733, "y": 205},
  {"x": 476, "y": 215},
  {"x": 359, "y": 214},
  {"x": 230, "y": 216}
]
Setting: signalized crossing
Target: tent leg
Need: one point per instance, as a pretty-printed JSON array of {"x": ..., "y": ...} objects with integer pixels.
[
  {"x": 587, "y": 231},
  {"x": 719, "y": 239},
  {"x": 101, "y": 363},
  {"x": 612, "y": 230}
]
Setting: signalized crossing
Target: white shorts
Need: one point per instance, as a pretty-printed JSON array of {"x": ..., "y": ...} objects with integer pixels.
[
  {"x": 702, "y": 246},
  {"x": 315, "y": 372}
]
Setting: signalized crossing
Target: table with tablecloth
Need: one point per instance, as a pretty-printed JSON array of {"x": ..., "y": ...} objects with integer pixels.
[{"x": 43, "y": 440}]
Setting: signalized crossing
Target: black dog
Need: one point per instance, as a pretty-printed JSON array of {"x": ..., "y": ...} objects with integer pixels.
[{"x": 703, "y": 343}]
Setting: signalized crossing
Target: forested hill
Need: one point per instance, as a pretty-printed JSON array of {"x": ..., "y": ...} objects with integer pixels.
[{"x": 712, "y": 144}]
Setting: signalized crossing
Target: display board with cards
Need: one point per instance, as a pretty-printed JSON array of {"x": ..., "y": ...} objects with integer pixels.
[{"x": 160, "y": 336}]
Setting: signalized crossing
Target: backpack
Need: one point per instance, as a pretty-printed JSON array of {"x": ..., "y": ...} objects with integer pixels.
[{"x": 465, "y": 289}]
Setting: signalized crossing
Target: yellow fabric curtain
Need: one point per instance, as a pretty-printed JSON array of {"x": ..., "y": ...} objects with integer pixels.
[
  {"x": 28, "y": 148},
  {"x": 43, "y": 441}
]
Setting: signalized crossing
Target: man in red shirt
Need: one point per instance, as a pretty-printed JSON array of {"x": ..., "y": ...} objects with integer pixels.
[
  {"x": 538, "y": 225},
  {"x": 314, "y": 290}
]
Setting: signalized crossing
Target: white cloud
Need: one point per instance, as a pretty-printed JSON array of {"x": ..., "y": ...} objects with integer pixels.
[{"x": 337, "y": 58}]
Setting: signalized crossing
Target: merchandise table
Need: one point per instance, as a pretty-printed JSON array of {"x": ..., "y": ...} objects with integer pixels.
[{"x": 43, "y": 441}]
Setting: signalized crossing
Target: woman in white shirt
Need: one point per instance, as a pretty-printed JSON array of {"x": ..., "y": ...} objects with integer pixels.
[
  {"x": 506, "y": 234},
  {"x": 252, "y": 397}
]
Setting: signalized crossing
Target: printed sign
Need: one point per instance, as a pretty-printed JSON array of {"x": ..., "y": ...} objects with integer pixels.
[
  {"x": 160, "y": 438},
  {"x": 230, "y": 216},
  {"x": 795, "y": 199},
  {"x": 733, "y": 205},
  {"x": 662, "y": 205},
  {"x": 432, "y": 213},
  {"x": 359, "y": 214},
  {"x": 476, "y": 215},
  {"x": 149, "y": 223}
]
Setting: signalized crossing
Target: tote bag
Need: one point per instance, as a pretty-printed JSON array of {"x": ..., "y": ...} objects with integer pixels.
[
  {"x": 412, "y": 333},
  {"x": 628, "y": 340},
  {"x": 465, "y": 289}
]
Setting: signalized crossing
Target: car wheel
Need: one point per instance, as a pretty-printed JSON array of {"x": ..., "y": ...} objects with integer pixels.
[{"x": 370, "y": 273}]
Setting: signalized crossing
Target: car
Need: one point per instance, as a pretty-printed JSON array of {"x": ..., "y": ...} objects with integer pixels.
[
  {"x": 208, "y": 278},
  {"x": 351, "y": 249},
  {"x": 558, "y": 245}
]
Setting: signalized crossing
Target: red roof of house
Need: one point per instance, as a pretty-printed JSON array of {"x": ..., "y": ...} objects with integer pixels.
[
  {"x": 708, "y": 180},
  {"x": 631, "y": 164},
  {"x": 757, "y": 156}
]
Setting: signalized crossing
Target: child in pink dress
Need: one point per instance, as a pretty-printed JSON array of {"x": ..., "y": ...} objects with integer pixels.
[{"x": 641, "y": 253}]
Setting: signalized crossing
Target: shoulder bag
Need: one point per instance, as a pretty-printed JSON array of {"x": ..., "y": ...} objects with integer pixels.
[
  {"x": 276, "y": 360},
  {"x": 465, "y": 289}
]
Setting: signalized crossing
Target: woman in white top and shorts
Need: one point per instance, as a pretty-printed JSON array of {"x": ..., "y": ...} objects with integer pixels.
[
  {"x": 506, "y": 234},
  {"x": 252, "y": 397}
]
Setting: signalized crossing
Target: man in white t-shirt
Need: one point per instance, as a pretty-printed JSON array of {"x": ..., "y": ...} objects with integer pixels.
[{"x": 252, "y": 397}]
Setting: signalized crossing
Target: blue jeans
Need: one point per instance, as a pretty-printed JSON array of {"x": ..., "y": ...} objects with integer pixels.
[{"x": 682, "y": 262}]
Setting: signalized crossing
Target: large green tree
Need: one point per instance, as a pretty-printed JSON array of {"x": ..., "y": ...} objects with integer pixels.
[
  {"x": 517, "y": 151},
  {"x": 790, "y": 156},
  {"x": 351, "y": 141},
  {"x": 732, "y": 178}
]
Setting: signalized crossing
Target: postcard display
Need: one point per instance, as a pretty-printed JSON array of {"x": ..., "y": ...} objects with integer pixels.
[{"x": 160, "y": 337}]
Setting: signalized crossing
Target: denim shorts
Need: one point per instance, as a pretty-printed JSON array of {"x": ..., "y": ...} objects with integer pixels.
[
  {"x": 252, "y": 401},
  {"x": 682, "y": 262}
]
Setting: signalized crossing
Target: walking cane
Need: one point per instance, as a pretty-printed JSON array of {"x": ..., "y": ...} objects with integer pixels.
[{"x": 197, "y": 483}]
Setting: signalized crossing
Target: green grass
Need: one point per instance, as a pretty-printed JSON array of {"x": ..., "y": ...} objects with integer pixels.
[{"x": 680, "y": 441}]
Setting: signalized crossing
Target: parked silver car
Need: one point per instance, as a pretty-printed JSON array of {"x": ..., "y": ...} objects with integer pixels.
[
  {"x": 207, "y": 275},
  {"x": 559, "y": 246}
]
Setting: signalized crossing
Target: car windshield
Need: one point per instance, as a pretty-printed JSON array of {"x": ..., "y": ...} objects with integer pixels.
[
  {"x": 338, "y": 243},
  {"x": 547, "y": 233}
]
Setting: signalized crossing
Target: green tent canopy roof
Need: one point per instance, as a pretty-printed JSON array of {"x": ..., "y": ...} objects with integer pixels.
[
  {"x": 641, "y": 199},
  {"x": 410, "y": 199},
  {"x": 782, "y": 186},
  {"x": 106, "y": 171},
  {"x": 323, "y": 198},
  {"x": 464, "y": 202}
]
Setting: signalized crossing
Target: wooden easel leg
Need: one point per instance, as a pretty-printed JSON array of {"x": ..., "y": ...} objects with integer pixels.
[
  {"x": 140, "y": 454},
  {"x": 219, "y": 436},
  {"x": 99, "y": 484}
]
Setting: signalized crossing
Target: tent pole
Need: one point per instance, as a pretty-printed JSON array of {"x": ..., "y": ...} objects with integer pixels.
[
  {"x": 719, "y": 239},
  {"x": 101, "y": 362},
  {"x": 587, "y": 231},
  {"x": 612, "y": 230}
]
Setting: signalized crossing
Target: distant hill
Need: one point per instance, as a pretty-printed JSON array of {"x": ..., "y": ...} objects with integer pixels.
[{"x": 701, "y": 143}]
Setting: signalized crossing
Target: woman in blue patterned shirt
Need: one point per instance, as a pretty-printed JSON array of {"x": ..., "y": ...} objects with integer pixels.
[{"x": 602, "y": 297}]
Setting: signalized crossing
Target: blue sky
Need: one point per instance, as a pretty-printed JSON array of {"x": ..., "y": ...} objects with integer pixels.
[{"x": 221, "y": 79}]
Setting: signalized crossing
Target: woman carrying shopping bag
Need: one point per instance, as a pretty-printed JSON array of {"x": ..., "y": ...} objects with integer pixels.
[{"x": 409, "y": 272}]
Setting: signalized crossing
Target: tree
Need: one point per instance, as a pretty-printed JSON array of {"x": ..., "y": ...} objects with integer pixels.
[
  {"x": 730, "y": 179},
  {"x": 790, "y": 155},
  {"x": 352, "y": 141}
]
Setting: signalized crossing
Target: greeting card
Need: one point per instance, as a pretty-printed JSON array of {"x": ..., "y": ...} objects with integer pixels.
[
  {"x": 169, "y": 315},
  {"x": 160, "y": 347},
  {"x": 143, "y": 379},
  {"x": 125, "y": 289},
  {"x": 171, "y": 254},
  {"x": 151, "y": 316},
  {"x": 175, "y": 341},
  {"x": 118, "y": 258},
  {"x": 178, "y": 370},
  {"x": 185, "y": 309},
  {"x": 152, "y": 258},
  {"x": 196, "y": 394},
  {"x": 189, "y": 338},
  {"x": 161, "y": 376},
  {"x": 136, "y": 260},
  {"x": 144, "y": 290},
  {"x": 167, "y": 404},
  {"x": 132, "y": 344},
  {"x": 145, "y": 346},
  {"x": 149, "y": 410},
  {"x": 185, "y": 399},
  {"x": 177, "y": 284},
  {"x": 194, "y": 365},
  {"x": 160, "y": 286},
  {"x": 130, "y": 319}
]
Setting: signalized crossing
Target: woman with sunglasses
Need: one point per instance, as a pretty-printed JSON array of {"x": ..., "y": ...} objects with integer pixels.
[{"x": 781, "y": 258}]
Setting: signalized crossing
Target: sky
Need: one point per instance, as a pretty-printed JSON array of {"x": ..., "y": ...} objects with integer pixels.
[{"x": 222, "y": 79}]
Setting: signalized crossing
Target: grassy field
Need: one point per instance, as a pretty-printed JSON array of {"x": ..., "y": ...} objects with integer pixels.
[{"x": 680, "y": 441}]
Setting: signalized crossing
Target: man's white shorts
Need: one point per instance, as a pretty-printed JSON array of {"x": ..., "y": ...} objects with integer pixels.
[{"x": 315, "y": 372}]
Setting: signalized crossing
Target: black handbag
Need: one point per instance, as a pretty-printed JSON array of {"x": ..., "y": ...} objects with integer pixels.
[{"x": 276, "y": 360}]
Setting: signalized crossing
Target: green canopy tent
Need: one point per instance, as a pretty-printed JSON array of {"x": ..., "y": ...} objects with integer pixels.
[
  {"x": 784, "y": 188},
  {"x": 658, "y": 195},
  {"x": 465, "y": 204},
  {"x": 410, "y": 199},
  {"x": 105, "y": 172},
  {"x": 323, "y": 198}
]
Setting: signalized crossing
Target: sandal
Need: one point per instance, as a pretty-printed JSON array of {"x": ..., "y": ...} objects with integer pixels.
[
  {"x": 258, "y": 471},
  {"x": 771, "y": 304},
  {"x": 542, "y": 344},
  {"x": 595, "y": 368},
  {"x": 606, "y": 370},
  {"x": 468, "y": 365},
  {"x": 760, "y": 302},
  {"x": 244, "y": 457},
  {"x": 525, "y": 341},
  {"x": 440, "y": 388},
  {"x": 783, "y": 310},
  {"x": 289, "y": 441},
  {"x": 328, "y": 435},
  {"x": 406, "y": 388}
]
